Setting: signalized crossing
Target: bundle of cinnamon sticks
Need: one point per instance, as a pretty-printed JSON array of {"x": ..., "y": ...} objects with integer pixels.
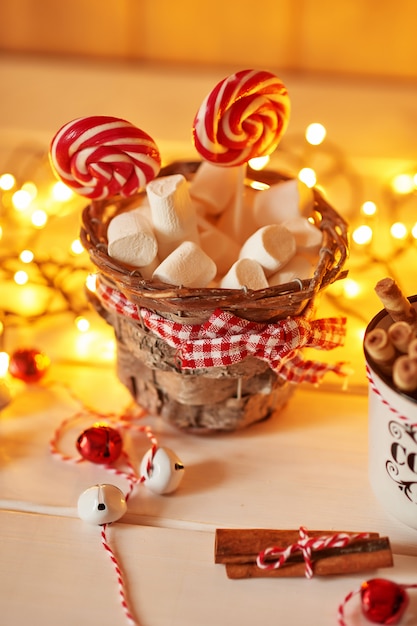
[{"x": 239, "y": 549}]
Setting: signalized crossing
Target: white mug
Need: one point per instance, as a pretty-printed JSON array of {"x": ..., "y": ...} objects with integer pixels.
[{"x": 392, "y": 439}]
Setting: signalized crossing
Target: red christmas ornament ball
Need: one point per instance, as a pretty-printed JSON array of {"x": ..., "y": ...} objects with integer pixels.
[
  {"x": 28, "y": 364},
  {"x": 383, "y": 601},
  {"x": 100, "y": 444}
]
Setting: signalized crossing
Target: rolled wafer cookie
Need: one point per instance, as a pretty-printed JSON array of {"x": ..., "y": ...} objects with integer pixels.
[
  {"x": 400, "y": 335},
  {"x": 395, "y": 302},
  {"x": 412, "y": 348},
  {"x": 379, "y": 347},
  {"x": 404, "y": 373}
]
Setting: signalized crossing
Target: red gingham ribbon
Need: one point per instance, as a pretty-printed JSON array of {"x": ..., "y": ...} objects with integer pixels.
[
  {"x": 226, "y": 339},
  {"x": 306, "y": 546}
]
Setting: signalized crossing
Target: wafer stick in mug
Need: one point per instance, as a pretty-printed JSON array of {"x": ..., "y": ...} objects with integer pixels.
[
  {"x": 404, "y": 374},
  {"x": 401, "y": 335},
  {"x": 380, "y": 349},
  {"x": 395, "y": 302},
  {"x": 412, "y": 349}
]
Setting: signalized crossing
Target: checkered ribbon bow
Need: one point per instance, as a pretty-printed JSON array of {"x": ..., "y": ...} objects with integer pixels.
[{"x": 225, "y": 339}]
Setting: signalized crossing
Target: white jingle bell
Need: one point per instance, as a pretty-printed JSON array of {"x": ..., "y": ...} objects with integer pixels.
[
  {"x": 163, "y": 472},
  {"x": 101, "y": 504}
]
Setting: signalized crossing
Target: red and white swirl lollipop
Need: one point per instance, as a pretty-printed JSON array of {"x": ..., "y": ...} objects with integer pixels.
[
  {"x": 243, "y": 117},
  {"x": 102, "y": 157}
]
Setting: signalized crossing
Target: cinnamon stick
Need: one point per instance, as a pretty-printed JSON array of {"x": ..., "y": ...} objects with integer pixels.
[{"x": 238, "y": 549}]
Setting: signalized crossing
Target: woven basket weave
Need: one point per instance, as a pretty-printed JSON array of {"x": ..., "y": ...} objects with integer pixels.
[{"x": 209, "y": 399}]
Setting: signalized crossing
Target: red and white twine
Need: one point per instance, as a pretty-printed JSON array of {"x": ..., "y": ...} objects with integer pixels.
[
  {"x": 275, "y": 557},
  {"x": 383, "y": 400},
  {"x": 129, "y": 473},
  {"x": 120, "y": 581}
]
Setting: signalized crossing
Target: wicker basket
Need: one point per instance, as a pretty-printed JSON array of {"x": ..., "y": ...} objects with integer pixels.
[{"x": 210, "y": 399}]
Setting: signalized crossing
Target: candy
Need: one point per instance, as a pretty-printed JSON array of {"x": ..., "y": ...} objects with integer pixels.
[
  {"x": 173, "y": 216},
  {"x": 272, "y": 246},
  {"x": 245, "y": 273},
  {"x": 243, "y": 117},
  {"x": 102, "y": 157}
]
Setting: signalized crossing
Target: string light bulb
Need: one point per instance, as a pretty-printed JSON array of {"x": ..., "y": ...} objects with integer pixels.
[
  {"x": 307, "y": 176},
  {"x": 315, "y": 134},
  {"x": 7, "y": 181},
  {"x": 362, "y": 235}
]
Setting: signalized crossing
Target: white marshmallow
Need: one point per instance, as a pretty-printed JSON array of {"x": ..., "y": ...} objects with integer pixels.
[
  {"x": 173, "y": 215},
  {"x": 244, "y": 273},
  {"x": 247, "y": 225},
  {"x": 214, "y": 187},
  {"x": 272, "y": 246},
  {"x": 186, "y": 266},
  {"x": 282, "y": 202},
  {"x": 307, "y": 236},
  {"x": 297, "y": 267},
  {"x": 131, "y": 239},
  {"x": 218, "y": 246}
]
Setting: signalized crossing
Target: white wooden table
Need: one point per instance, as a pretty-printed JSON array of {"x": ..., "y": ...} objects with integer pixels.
[{"x": 307, "y": 466}]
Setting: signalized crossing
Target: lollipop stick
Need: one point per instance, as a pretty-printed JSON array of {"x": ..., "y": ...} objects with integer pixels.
[{"x": 238, "y": 205}]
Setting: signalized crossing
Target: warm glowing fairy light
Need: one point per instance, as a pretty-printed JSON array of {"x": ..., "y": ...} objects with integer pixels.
[
  {"x": 351, "y": 288},
  {"x": 39, "y": 218},
  {"x": 258, "y": 163},
  {"x": 307, "y": 176},
  {"x": 91, "y": 282},
  {"x": 315, "y": 134},
  {"x": 4, "y": 364},
  {"x": 77, "y": 247},
  {"x": 414, "y": 231},
  {"x": 362, "y": 235},
  {"x": 368, "y": 208},
  {"x": 1, "y": 232},
  {"x": 30, "y": 188},
  {"x": 398, "y": 230},
  {"x": 26, "y": 256},
  {"x": 61, "y": 192},
  {"x": 403, "y": 183},
  {"x": 82, "y": 324},
  {"x": 21, "y": 277},
  {"x": 21, "y": 200},
  {"x": 256, "y": 184},
  {"x": 7, "y": 182}
]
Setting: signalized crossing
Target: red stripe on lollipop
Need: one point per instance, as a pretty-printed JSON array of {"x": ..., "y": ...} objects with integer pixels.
[
  {"x": 243, "y": 117},
  {"x": 102, "y": 157}
]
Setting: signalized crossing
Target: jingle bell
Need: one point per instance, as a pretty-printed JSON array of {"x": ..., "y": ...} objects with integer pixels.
[
  {"x": 383, "y": 601},
  {"x": 100, "y": 444},
  {"x": 101, "y": 504},
  {"x": 163, "y": 471}
]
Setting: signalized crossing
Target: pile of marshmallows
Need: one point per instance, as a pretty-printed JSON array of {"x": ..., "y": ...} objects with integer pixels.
[{"x": 184, "y": 233}]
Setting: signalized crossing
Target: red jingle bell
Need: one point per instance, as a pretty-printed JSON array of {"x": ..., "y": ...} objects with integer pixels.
[
  {"x": 100, "y": 444},
  {"x": 29, "y": 365},
  {"x": 383, "y": 601}
]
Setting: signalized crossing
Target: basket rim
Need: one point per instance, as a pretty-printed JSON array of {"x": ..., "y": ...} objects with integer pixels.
[{"x": 154, "y": 294}]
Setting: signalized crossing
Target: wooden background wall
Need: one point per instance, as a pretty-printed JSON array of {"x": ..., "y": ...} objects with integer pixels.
[{"x": 347, "y": 37}]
